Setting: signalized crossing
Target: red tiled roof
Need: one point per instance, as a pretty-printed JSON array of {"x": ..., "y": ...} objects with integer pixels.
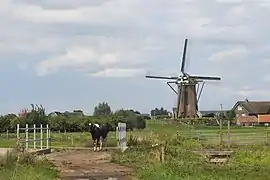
[{"x": 247, "y": 119}]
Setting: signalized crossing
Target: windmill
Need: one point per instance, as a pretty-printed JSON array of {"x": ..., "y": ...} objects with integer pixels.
[{"x": 189, "y": 89}]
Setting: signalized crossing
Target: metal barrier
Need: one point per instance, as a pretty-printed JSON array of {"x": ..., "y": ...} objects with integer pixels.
[
  {"x": 121, "y": 136},
  {"x": 34, "y": 140}
]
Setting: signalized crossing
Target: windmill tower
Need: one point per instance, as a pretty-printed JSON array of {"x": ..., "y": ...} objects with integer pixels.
[{"x": 189, "y": 89}]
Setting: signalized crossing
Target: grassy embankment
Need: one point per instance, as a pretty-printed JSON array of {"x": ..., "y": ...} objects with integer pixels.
[
  {"x": 248, "y": 162},
  {"x": 209, "y": 135},
  {"x": 16, "y": 166}
]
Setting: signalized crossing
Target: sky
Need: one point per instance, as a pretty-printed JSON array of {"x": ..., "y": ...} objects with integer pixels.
[{"x": 68, "y": 54}]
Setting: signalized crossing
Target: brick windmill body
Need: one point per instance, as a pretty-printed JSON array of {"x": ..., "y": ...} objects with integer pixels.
[{"x": 189, "y": 89}]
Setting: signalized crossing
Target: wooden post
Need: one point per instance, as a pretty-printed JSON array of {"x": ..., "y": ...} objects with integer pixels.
[
  {"x": 228, "y": 134},
  {"x": 266, "y": 139},
  {"x": 162, "y": 155},
  {"x": 220, "y": 132},
  {"x": 72, "y": 142},
  {"x": 7, "y": 134},
  {"x": 220, "y": 124}
]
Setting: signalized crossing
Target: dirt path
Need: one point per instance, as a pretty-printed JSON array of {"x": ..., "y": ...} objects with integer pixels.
[{"x": 88, "y": 165}]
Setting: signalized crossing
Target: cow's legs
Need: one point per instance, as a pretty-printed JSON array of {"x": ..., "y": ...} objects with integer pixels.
[
  {"x": 100, "y": 143},
  {"x": 94, "y": 145}
]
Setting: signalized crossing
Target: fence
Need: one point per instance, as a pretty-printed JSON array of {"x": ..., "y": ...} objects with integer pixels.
[
  {"x": 121, "y": 136},
  {"x": 34, "y": 139}
]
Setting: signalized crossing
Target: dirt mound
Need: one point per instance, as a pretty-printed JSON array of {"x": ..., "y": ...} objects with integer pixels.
[{"x": 89, "y": 165}]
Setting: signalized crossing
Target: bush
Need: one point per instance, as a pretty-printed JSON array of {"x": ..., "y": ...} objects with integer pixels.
[
  {"x": 24, "y": 166},
  {"x": 249, "y": 163}
]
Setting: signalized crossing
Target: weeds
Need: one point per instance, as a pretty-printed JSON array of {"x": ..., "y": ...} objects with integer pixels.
[
  {"x": 247, "y": 163},
  {"x": 24, "y": 166}
]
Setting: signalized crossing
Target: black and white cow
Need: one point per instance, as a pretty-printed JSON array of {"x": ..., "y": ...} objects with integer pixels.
[{"x": 99, "y": 134}]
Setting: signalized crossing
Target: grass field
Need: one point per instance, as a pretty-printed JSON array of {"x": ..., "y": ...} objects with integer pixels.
[
  {"x": 250, "y": 162},
  {"x": 154, "y": 131},
  {"x": 25, "y": 167}
]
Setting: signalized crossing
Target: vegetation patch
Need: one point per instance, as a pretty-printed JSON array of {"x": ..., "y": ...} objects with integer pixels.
[
  {"x": 247, "y": 163},
  {"x": 24, "y": 166}
]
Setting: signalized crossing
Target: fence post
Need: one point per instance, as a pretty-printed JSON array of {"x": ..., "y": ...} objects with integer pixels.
[
  {"x": 162, "y": 155},
  {"x": 220, "y": 131},
  {"x": 41, "y": 137},
  {"x": 228, "y": 134},
  {"x": 26, "y": 136},
  {"x": 198, "y": 137},
  {"x": 117, "y": 136},
  {"x": 267, "y": 134},
  {"x": 72, "y": 140},
  {"x": 18, "y": 134},
  {"x": 7, "y": 134},
  {"x": 18, "y": 131},
  {"x": 50, "y": 138},
  {"x": 35, "y": 136},
  {"x": 47, "y": 133}
]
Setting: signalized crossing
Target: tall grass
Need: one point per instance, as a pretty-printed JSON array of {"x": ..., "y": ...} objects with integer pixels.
[
  {"x": 24, "y": 166},
  {"x": 247, "y": 163}
]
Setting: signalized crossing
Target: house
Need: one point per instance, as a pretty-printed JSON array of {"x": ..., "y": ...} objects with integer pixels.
[
  {"x": 213, "y": 113},
  {"x": 252, "y": 112},
  {"x": 78, "y": 113}
]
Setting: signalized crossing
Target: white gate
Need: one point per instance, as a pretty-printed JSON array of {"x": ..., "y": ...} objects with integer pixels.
[
  {"x": 34, "y": 138},
  {"x": 121, "y": 136}
]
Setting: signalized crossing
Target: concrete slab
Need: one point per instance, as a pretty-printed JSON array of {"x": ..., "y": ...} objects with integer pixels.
[
  {"x": 3, "y": 151},
  {"x": 39, "y": 151}
]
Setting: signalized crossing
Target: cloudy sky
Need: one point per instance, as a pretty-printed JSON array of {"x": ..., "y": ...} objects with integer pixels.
[{"x": 68, "y": 54}]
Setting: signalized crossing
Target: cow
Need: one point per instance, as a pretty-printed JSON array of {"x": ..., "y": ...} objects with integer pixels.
[{"x": 99, "y": 134}]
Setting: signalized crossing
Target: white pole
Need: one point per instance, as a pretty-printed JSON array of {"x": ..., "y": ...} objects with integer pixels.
[
  {"x": 117, "y": 135},
  {"x": 47, "y": 133},
  {"x": 50, "y": 138},
  {"x": 41, "y": 137},
  {"x": 26, "y": 136},
  {"x": 35, "y": 136},
  {"x": 18, "y": 131}
]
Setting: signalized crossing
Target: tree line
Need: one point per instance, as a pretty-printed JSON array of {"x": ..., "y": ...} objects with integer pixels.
[{"x": 74, "y": 121}]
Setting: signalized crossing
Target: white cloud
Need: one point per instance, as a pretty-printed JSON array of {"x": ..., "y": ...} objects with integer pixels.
[
  {"x": 252, "y": 92},
  {"x": 119, "y": 72},
  {"x": 234, "y": 54},
  {"x": 132, "y": 34},
  {"x": 96, "y": 54}
]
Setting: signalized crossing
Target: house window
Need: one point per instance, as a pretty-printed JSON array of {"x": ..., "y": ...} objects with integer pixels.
[
  {"x": 243, "y": 114},
  {"x": 239, "y": 108}
]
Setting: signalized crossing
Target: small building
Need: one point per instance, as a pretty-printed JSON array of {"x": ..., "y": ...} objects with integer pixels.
[
  {"x": 250, "y": 113},
  {"x": 213, "y": 113},
  {"x": 77, "y": 113}
]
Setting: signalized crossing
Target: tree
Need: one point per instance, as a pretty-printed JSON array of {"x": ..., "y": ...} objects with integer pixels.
[
  {"x": 159, "y": 112},
  {"x": 102, "y": 109},
  {"x": 133, "y": 119},
  {"x": 230, "y": 115},
  {"x": 36, "y": 115}
]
